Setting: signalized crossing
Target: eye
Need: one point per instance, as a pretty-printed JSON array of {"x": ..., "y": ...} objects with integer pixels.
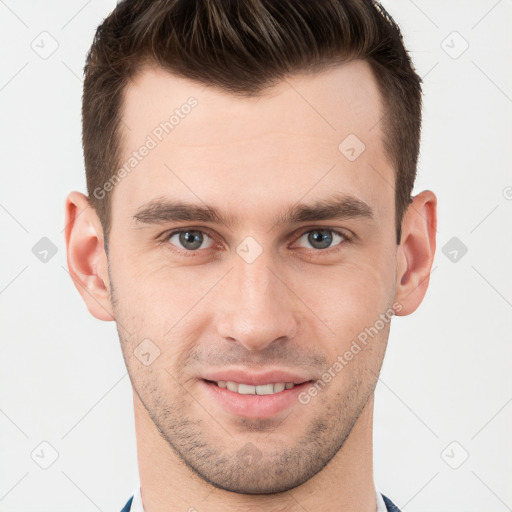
[
  {"x": 189, "y": 239},
  {"x": 323, "y": 238}
]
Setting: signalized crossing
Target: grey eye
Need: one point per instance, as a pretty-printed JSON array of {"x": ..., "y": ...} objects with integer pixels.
[
  {"x": 322, "y": 238},
  {"x": 191, "y": 240}
]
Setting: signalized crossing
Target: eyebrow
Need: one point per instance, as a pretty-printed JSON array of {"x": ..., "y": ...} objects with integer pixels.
[{"x": 335, "y": 207}]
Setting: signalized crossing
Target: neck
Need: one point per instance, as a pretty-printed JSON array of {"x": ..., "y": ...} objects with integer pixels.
[{"x": 167, "y": 484}]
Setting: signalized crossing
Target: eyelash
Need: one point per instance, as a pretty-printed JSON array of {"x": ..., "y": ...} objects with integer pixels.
[{"x": 164, "y": 239}]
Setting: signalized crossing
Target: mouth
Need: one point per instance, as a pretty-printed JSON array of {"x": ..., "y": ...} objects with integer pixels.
[
  {"x": 254, "y": 396},
  {"x": 250, "y": 389}
]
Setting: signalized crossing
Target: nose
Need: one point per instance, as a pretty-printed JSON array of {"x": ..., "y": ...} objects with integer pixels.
[{"x": 257, "y": 308}]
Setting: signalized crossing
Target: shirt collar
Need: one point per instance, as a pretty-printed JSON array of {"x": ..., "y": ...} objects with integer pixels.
[{"x": 137, "y": 502}]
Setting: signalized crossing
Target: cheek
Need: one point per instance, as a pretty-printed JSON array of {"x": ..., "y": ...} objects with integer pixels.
[
  {"x": 154, "y": 308},
  {"x": 160, "y": 302},
  {"x": 356, "y": 305},
  {"x": 349, "y": 298}
]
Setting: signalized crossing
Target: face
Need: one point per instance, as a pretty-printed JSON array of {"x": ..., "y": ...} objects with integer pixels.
[{"x": 249, "y": 250}]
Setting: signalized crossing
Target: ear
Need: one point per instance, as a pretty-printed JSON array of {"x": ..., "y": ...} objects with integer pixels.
[
  {"x": 415, "y": 253},
  {"x": 87, "y": 261}
]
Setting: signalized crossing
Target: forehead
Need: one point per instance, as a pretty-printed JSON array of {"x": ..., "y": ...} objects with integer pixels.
[
  {"x": 326, "y": 104},
  {"x": 298, "y": 138}
]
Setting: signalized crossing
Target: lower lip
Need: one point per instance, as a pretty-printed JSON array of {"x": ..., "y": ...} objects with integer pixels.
[{"x": 253, "y": 406}]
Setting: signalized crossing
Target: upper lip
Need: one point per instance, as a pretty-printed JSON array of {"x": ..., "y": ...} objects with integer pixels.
[{"x": 241, "y": 376}]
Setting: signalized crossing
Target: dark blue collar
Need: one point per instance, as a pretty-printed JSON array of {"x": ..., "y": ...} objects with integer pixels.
[{"x": 389, "y": 505}]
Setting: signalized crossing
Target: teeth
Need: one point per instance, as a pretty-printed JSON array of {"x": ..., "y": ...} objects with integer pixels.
[
  {"x": 264, "y": 389},
  {"x": 232, "y": 386},
  {"x": 245, "y": 389},
  {"x": 248, "y": 389}
]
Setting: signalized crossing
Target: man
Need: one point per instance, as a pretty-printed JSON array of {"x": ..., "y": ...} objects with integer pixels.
[{"x": 250, "y": 229}]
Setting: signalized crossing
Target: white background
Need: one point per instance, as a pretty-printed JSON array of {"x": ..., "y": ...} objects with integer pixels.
[{"x": 446, "y": 376}]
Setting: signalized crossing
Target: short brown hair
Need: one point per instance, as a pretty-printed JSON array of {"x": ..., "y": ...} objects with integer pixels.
[{"x": 245, "y": 46}]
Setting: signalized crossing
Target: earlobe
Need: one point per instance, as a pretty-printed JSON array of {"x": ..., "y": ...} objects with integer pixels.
[
  {"x": 416, "y": 251},
  {"x": 87, "y": 261}
]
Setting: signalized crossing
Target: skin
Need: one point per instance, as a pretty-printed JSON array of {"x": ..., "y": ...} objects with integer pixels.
[{"x": 296, "y": 307}]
